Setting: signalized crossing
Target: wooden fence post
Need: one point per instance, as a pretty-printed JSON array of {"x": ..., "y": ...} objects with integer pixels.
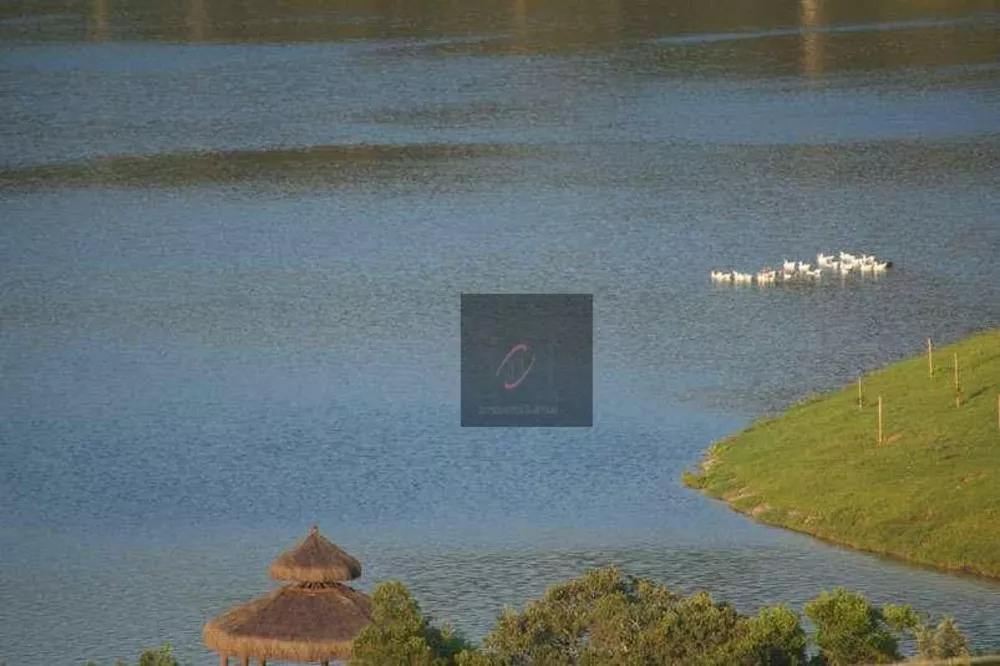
[
  {"x": 860, "y": 394},
  {"x": 955, "y": 374},
  {"x": 958, "y": 384},
  {"x": 930, "y": 358},
  {"x": 880, "y": 419}
]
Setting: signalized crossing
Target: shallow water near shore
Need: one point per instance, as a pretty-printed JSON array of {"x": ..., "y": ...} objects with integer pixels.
[{"x": 234, "y": 239}]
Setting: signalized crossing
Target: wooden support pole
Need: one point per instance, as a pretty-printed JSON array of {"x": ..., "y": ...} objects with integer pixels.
[
  {"x": 223, "y": 660},
  {"x": 958, "y": 385},
  {"x": 880, "y": 419},
  {"x": 930, "y": 358},
  {"x": 246, "y": 660},
  {"x": 955, "y": 363},
  {"x": 860, "y": 394}
]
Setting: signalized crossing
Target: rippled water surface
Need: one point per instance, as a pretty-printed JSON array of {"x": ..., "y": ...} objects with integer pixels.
[{"x": 233, "y": 239}]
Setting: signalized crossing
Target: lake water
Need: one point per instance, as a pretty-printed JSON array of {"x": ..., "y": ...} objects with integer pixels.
[{"x": 234, "y": 236}]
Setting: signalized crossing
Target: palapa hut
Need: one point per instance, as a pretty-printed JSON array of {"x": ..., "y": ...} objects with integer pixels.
[{"x": 314, "y": 619}]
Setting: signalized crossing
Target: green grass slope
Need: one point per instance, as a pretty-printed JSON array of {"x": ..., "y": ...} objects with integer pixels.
[{"x": 930, "y": 493}]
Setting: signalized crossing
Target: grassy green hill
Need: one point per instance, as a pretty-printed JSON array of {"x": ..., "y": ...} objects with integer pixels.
[{"x": 929, "y": 493}]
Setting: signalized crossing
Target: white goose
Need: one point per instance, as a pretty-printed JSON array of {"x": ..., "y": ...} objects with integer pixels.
[
  {"x": 766, "y": 276},
  {"x": 719, "y": 276}
]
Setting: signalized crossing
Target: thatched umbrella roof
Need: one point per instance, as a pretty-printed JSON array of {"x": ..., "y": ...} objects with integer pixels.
[
  {"x": 315, "y": 560},
  {"x": 305, "y": 622}
]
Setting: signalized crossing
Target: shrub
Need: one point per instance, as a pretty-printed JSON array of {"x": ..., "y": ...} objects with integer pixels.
[
  {"x": 161, "y": 656},
  {"x": 943, "y": 642},
  {"x": 401, "y": 634},
  {"x": 849, "y": 630},
  {"x": 693, "y": 480},
  {"x": 776, "y": 638},
  {"x": 607, "y": 618}
]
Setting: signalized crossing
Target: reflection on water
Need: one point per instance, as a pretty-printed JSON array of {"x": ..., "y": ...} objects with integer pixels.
[
  {"x": 296, "y": 167},
  {"x": 530, "y": 25},
  {"x": 235, "y": 232},
  {"x": 520, "y": 24},
  {"x": 97, "y": 25},
  {"x": 812, "y": 38},
  {"x": 458, "y": 167},
  {"x": 196, "y": 20}
]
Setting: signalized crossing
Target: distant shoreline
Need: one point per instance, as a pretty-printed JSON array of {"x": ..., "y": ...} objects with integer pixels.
[{"x": 929, "y": 494}]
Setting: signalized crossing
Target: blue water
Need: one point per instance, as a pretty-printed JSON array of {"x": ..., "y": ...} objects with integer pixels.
[{"x": 231, "y": 269}]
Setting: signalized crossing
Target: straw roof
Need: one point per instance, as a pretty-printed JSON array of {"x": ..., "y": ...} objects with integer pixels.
[
  {"x": 305, "y": 622},
  {"x": 315, "y": 560}
]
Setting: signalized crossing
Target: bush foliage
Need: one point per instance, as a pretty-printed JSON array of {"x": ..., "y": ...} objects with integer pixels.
[
  {"x": 849, "y": 630},
  {"x": 605, "y": 617},
  {"x": 161, "y": 656},
  {"x": 942, "y": 642},
  {"x": 608, "y": 618},
  {"x": 401, "y": 634}
]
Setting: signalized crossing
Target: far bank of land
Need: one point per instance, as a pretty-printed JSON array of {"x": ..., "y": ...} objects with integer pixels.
[{"x": 928, "y": 493}]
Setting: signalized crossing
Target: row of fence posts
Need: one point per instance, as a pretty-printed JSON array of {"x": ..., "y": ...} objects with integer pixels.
[{"x": 956, "y": 386}]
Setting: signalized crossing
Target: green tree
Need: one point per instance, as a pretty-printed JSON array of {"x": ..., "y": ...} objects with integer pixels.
[
  {"x": 849, "y": 630},
  {"x": 401, "y": 634},
  {"x": 942, "y": 642},
  {"x": 607, "y": 618},
  {"x": 775, "y": 638},
  {"x": 161, "y": 656}
]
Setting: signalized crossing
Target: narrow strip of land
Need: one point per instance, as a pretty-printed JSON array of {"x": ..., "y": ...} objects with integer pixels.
[{"x": 929, "y": 492}]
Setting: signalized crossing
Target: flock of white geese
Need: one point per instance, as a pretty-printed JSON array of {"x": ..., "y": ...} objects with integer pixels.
[{"x": 843, "y": 264}]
